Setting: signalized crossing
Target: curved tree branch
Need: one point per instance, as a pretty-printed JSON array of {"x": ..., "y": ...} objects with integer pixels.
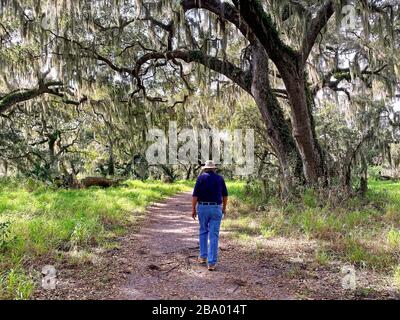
[
  {"x": 263, "y": 27},
  {"x": 234, "y": 73},
  {"x": 17, "y": 96},
  {"x": 225, "y": 11},
  {"x": 315, "y": 26}
]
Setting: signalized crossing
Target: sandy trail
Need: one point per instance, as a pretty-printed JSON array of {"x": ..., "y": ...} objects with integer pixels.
[{"x": 163, "y": 265}]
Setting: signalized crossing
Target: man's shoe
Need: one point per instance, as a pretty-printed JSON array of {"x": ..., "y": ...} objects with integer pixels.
[
  {"x": 202, "y": 260},
  {"x": 211, "y": 267}
]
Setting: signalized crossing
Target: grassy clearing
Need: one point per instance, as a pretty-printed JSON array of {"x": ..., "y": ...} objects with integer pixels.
[
  {"x": 36, "y": 220},
  {"x": 363, "y": 232}
]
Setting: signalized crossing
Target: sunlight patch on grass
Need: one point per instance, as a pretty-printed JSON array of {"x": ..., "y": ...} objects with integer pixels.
[
  {"x": 393, "y": 238},
  {"x": 267, "y": 233},
  {"x": 396, "y": 277}
]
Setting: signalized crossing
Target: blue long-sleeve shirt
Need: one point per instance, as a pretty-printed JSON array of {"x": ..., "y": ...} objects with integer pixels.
[{"x": 210, "y": 187}]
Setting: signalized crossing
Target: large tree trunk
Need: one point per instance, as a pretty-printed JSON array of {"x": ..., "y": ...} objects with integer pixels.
[
  {"x": 291, "y": 66},
  {"x": 279, "y": 131},
  {"x": 301, "y": 102}
]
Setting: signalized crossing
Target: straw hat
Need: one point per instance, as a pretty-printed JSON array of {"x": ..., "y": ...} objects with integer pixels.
[{"x": 209, "y": 165}]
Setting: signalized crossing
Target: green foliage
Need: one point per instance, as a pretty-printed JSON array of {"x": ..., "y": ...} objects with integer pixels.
[
  {"x": 322, "y": 256},
  {"x": 356, "y": 251},
  {"x": 364, "y": 232},
  {"x": 45, "y": 138},
  {"x": 396, "y": 277},
  {"x": 310, "y": 198},
  {"x": 38, "y": 220},
  {"x": 15, "y": 284},
  {"x": 273, "y": 31},
  {"x": 374, "y": 172},
  {"x": 6, "y": 237},
  {"x": 393, "y": 238}
]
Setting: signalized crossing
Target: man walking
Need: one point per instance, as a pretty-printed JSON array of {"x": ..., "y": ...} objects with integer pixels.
[{"x": 211, "y": 197}]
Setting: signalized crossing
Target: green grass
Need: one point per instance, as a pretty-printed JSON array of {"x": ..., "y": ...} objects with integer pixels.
[
  {"x": 16, "y": 284},
  {"x": 396, "y": 277},
  {"x": 37, "y": 220},
  {"x": 322, "y": 256},
  {"x": 364, "y": 232}
]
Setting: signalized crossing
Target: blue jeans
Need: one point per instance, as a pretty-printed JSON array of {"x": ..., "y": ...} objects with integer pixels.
[{"x": 210, "y": 222}]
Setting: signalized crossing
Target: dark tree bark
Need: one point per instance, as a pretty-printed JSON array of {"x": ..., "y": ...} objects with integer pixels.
[
  {"x": 55, "y": 88},
  {"x": 10, "y": 99},
  {"x": 188, "y": 172},
  {"x": 304, "y": 129},
  {"x": 278, "y": 129},
  {"x": 291, "y": 65},
  {"x": 257, "y": 26},
  {"x": 350, "y": 159},
  {"x": 52, "y": 163},
  {"x": 111, "y": 162},
  {"x": 364, "y": 176}
]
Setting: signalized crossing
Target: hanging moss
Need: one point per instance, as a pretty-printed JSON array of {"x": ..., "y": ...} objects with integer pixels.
[{"x": 273, "y": 32}]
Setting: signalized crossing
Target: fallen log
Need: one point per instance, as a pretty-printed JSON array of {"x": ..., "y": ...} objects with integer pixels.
[{"x": 99, "y": 182}]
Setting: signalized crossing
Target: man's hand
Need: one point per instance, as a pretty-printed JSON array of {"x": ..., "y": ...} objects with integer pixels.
[
  {"x": 194, "y": 203},
  {"x": 224, "y": 205}
]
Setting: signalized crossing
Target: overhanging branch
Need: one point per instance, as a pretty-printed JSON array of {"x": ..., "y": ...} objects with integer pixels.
[
  {"x": 17, "y": 96},
  {"x": 263, "y": 27},
  {"x": 225, "y": 11},
  {"x": 234, "y": 73},
  {"x": 315, "y": 26}
]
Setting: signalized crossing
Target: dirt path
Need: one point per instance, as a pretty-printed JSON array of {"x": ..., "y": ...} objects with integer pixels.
[
  {"x": 163, "y": 262},
  {"x": 158, "y": 261}
]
